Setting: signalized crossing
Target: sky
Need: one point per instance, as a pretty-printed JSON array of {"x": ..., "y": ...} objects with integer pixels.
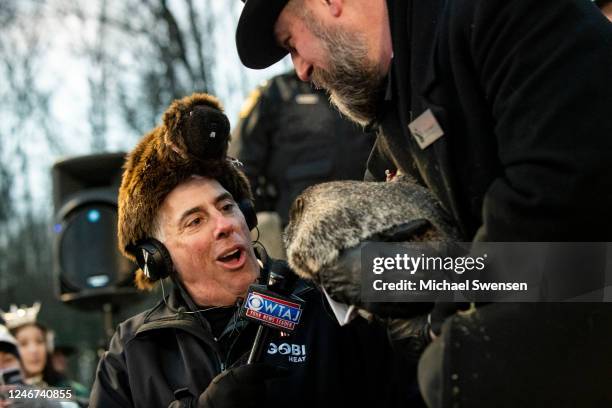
[{"x": 67, "y": 75}]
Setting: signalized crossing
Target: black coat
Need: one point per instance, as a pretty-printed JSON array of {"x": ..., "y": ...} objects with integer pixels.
[
  {"x": 158, "y": 352},
  {"x": 522, "y": 92}
]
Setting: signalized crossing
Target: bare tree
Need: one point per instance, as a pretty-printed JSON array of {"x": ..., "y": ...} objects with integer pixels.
[
  {"x": 25, "y": 105},
  {"x": 98, "y": 82},
  {"x": 146, "y": 53}
]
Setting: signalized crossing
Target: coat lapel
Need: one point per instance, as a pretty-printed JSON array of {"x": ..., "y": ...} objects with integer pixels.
[{"x": 418, "y": 80}]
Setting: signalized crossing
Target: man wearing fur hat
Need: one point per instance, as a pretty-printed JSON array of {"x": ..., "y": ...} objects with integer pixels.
[{"x": 184, "y": 213}]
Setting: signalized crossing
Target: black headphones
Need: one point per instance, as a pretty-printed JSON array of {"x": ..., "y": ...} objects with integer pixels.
[{"x": 155, "y": 260}]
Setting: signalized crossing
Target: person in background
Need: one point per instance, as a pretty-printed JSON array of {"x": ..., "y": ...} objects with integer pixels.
[
  {"x": 60, "y": 358},
  {"x": 289, "y": 137},
  {"x": 11, "y": 378},
  {"x": 11, "y": 373},
  {"x": 10, "y": 364},
  {"x": 35, "y": 347}
]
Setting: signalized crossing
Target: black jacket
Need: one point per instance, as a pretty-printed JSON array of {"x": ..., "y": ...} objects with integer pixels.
[
  {"x": 522, "y": 92},
  {"x": 289, "y": 138},
  {"x": 158, "y": 357}
]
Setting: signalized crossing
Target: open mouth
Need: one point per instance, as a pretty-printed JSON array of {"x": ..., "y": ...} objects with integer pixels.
[{"x": 233, "y": 259}]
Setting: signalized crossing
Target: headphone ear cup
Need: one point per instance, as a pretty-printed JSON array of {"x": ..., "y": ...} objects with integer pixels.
[
  {"x": 248, "y": 210},
  {"x": 153, "y": 258}
]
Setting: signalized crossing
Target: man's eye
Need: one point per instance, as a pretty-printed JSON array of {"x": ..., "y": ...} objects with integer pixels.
[
  {"x": 227, "y": 207},
  {"x": 288, "y": 46},
  {"x": 194, "y": 222}
]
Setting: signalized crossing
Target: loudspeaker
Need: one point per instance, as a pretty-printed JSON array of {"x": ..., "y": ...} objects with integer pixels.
[{"x": 90, "y": 271}]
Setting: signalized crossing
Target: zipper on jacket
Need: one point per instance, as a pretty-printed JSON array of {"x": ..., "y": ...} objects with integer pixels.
[{"x": 183, "y": 324}]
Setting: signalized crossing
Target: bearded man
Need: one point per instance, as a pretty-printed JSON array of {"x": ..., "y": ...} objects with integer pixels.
[{"x": 501, "y": 109}]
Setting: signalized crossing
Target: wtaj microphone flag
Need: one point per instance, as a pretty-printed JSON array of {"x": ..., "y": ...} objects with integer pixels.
[{"x": 270, "y": 309}]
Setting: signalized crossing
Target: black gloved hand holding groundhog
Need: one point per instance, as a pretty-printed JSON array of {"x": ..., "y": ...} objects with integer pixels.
[{"x": 330, "y": 223}]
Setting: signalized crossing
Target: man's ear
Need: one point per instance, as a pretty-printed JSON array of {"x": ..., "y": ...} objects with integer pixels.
[{"x": 335, "y": 7}]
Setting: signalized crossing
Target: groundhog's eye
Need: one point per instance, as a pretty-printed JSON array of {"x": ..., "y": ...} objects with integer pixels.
[{"x": 297, "y": 208}]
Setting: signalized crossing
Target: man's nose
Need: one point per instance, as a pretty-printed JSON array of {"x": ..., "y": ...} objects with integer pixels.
[
  {"x": 303, "y": 69},
  {"x": 224, "y": 226}
]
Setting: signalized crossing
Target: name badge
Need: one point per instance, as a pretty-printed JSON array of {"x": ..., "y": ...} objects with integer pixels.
[
  {"x": 425, "y": 129},
  {"x": 307, "y": 99}
]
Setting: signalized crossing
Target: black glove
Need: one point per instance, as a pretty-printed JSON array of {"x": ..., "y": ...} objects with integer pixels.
[
  {"x": 409, "y": 337},
  {"x": 242, "y": 386},
  {"x": 441, "y": 311},
  {"x": 342, "y": 280}
]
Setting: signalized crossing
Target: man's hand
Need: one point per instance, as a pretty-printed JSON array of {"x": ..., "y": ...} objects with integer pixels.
[
  {"x": 439, "y": 314},
  {"x": 342, "y": 279},
  {"x": 242, "y": 387}
]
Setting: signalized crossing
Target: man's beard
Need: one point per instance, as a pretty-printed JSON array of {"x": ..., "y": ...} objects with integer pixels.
[{"x": 352, "y": 80}]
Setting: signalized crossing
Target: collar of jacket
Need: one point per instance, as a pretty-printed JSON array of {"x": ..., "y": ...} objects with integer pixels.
[{"x": 173, "y": 313}]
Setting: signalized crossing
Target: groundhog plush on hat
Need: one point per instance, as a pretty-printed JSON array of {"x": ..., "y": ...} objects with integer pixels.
[{"x": 192, "y": 140}]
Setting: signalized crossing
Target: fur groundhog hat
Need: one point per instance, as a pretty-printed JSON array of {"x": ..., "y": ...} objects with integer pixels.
[{"x": 192, "y": 140}]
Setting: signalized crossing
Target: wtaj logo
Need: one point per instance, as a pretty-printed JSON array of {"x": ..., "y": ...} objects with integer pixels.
[{"x": 273, "y": 311}]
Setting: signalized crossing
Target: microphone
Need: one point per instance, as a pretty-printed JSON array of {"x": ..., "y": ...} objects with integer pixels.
[
  {"x": 272, "y": 306},
  {"x": 281, "y": 278}
]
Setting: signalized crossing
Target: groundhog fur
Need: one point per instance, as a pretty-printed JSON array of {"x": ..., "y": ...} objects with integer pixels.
[{"x": 330, "y": 217}]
